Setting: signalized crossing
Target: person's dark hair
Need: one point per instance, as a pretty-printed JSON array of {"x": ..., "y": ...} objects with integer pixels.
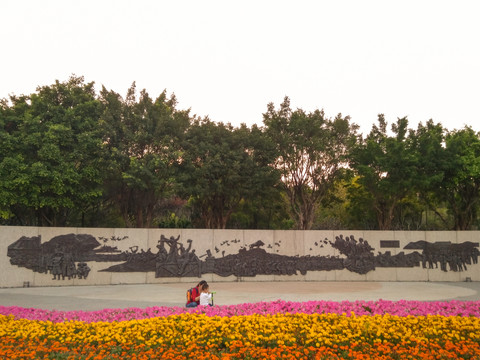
[
  {"x": 201, "y": 283},
  {"x": 205, "y": 286}
]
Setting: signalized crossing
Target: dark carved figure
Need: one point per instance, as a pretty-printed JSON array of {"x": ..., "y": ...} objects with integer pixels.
[
  {"x": 360, "y": 258},
  {"x": 56, "y": 256},
  {"x": 56, "y": 266},
  {"x": 171, "y": 260},
  {"x": 445, "y": 255},
  {"x": 83, "y": 270},
  {"x": 257, "y": 244}
]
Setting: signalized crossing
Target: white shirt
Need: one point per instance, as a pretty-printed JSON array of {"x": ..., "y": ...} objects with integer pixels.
[{"x": 205, "y": 299}]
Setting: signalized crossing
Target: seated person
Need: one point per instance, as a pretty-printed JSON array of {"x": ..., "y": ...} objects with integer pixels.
[
  {"x": 194, "y": 299},
  {"x": 205, "y": 296}
]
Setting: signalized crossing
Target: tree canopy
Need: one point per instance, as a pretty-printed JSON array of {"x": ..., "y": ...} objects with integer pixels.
[
  {"x": 386, "y": 169},
  {"x": 311, "y": 155},
  {"x": 220, "y": 166},
  {"x": 70, "y": 156},
  {"x": 142, "y": 141},
  {"x": 51, "y": 145}
]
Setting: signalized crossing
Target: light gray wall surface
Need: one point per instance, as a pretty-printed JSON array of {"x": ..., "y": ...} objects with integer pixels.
[{"x": 384, "y": 260}]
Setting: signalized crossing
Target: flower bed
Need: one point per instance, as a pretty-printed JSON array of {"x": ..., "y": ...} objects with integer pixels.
[
  {"x": 380, "y": 307},
  {"x": 309, "y": 330}
]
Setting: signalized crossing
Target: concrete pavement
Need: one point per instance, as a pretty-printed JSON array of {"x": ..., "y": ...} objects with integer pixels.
[{"x": 90, "y": 298}]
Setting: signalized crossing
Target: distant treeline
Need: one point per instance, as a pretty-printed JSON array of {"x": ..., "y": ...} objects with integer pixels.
[{"x": 72, "y": 156}]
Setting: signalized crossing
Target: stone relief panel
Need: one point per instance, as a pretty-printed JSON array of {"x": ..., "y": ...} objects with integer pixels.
[{"x": 68, "y": 256}]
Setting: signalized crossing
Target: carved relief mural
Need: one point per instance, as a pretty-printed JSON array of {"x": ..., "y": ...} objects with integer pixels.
[
  {"x": 64, "y": 256},
  {"x": 67, "y": 256}
]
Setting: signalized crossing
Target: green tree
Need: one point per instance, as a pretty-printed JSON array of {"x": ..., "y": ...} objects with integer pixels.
[
  {"x": 11, "y": 162},
  {"x": 449, "y": 173},
  {"x": 49, "y": 164},
  {"x": 311, "y": 155},
  {"x": 142, "y": 139},
  {"x": 333, "y": 214},
  {"x": 386, "y": 170},
  {"x": 461, "y": 183},
  {"x": 359, "y": 206},
  {"x": 428, "y": 141},
  {"x": 269, "y": 211},
  {"x": 267, "y": 208},
  {"x": 220, "y": 166}
]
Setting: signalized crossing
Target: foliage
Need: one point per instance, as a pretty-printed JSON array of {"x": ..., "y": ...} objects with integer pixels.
[
  {"x": 386, "y": 169},
  {"x": 448, "y": 175},
  {"x": 71, "y": 157},
  {"x": 141, "y": 139},
  {"x": 220, "y": 166},
  {"x": 311, "y": 155},
  {"x": 173, "y": 221},
  {"x": 333, "y": 214},
  {"x": 461, "y": 183},
  {"x": 50, "y": 150},
  {"x": 361, "y": 214},
  {"x": 266, "y": 212}
]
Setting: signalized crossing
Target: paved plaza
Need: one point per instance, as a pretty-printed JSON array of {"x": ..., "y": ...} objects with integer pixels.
[{"x": 91, "y": 298}]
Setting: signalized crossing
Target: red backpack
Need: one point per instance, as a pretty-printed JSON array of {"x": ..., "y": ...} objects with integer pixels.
[{"x": 191, "y": 295}]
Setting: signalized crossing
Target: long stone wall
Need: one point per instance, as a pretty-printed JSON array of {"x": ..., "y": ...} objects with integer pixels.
[{"x": 40, "y": 256}]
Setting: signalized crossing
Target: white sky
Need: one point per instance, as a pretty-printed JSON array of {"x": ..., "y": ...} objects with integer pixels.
[{"x": 229, "y": 59}]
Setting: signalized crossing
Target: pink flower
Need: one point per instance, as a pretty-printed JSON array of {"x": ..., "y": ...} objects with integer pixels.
[{"x": 356, "y": 308}]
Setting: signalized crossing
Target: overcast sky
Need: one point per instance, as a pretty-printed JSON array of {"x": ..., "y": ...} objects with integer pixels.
[{"x": 229, "y": 59}]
